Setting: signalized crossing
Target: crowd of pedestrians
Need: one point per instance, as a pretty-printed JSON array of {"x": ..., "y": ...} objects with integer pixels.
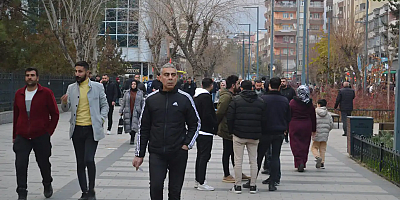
[{"x": 167, "y": 118}]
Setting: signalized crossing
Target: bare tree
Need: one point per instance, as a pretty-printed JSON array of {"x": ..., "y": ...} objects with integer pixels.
[
  {"x": 76, "y": 22},
  {"x": 188, "y": 23}
]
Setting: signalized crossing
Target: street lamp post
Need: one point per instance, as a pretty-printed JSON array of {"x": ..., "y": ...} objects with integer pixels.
[
  {"x": 248, "y": 70},
  {"x": 366, "y": 47},
  {"x": 258, "y": 20},
  {"x": 272, "y": 39},
  {"x": 287, "y": 61},
  {"x": 397, "y": 107},
  {"x": 308, "y": 47},
  {"x": 303, "y": 70}
]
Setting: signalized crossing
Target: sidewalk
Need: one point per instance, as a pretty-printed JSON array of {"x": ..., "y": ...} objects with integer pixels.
[{"x": 117, "y": 179}]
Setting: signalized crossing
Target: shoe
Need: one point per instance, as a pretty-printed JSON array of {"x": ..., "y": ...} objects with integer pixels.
[
  {"x": 22, "y": 194},
  {"x": 237, "y": 189},
  {"x": 196, "y": 184},
  {"x": 247, "y": 184},
  {"x": 108, "y": 132},
  {"x": 253, "y": 189},
  {"x": 228, "y": 179},
  {"x": 322, "y": 166},
  {"x": 205, "y": 187},
  {"x": 272, "y": 187},
  {"x": 84, "y": 196},
  {"x": 319, "y": 160},
  {"x": 265, "y": 171},
  {"x": 344, "y": 134},
  {"x": 48, "y": 190},
  {"x": 244, "y": 177},
  {"x": 132, "y": 140},
  {"x": 266, "y": 181},
  {"x": 91, "y": 195},
  {"x": 301, "y": 168},
  {"x": 287, "y": 141}
]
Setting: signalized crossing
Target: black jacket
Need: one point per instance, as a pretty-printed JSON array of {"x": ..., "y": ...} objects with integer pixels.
[
  {"x": 345, "y": 99},
  {"x": 163, "y": 120},
  {"x": 288, "y": 92},
  {"x": 189, "y": 88},
  {"x": 128, "y": 84},
  {"x": 247, "y": 115},
  {"x": 142, "y": 87},
  {"x": 278, "y": 113},
  {"x": 157, "y": 85},
  {"x": 111, "y": 91},
  {"x": 205, "y": 107}
]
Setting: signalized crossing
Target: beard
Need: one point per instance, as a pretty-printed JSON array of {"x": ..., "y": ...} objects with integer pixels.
[
  {"x": 31, "y": 83},
  {"x": 237, "y": 90},
  {"x": 80, "y": 79}
]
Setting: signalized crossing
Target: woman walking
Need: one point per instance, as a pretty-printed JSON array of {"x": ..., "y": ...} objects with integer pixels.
[
  {"x": 301, "y": 127},
  {"x": 131, "y": 108}
]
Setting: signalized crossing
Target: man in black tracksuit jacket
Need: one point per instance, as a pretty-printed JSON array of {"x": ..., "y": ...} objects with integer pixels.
[
  {"x": 209, "y": 127},
  {"x": 111, "y": 91},
  {"x": 162, "y": 128}
]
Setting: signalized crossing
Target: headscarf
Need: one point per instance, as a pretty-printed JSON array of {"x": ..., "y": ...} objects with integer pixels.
[
  {"x": 303, "y": 93},
  {"x": 137, "y": 83}
]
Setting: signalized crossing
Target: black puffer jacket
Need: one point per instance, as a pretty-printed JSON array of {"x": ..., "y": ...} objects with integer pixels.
[
  {"x": 163, "y": 120},
  {"x": 345, "y": 99},
  {"x": 247, "y": 115},
  {"x": 288, "y": 92},
  {"x": 278, "y": 112}
]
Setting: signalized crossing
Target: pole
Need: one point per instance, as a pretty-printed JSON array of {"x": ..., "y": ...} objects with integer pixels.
[
  {"x": 272, "y": 39},
  {"x": 303, "y": 69},
  {"x": 308, "y": 47},
  {"x": 329, "y": 47},
  {"x": 397, "y": 108},
  {"x": 248, "y": 67},
  {"x": 258, "y": 64},
  {"x": 366, "y": 47},
  {"x": 287, "y": 61},
  {"x": 243, "y": 58}
]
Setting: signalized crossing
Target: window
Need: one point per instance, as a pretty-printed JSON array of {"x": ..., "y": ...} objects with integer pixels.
[
  {"x": 110, "y": 15},
  {"x": 291, "y": 39},
  {"x": 132, "y": 41},
  {"x": 122, "y": 27},
  {"x": 291, "y": 51},
  {"x": 302, "y": 3},
  {"x": 122, "y": 15},
  {"x": 133, "y": 28},
  {"x": 286, "y": 38},
  {"x": 287, "y": 27},
  {"x": 311, "y": 15},
  {"x": 291, "y": 15},
  {"x": 121, "y": 41},
  {"x": 285, "y": 15},
  {"x": 111, "y": 27},
  {"x": 285, "y": 51},
  {"x": 316, "y": 15}
]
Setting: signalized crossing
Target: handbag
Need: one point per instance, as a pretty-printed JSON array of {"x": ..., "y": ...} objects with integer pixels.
[{"x": 120, "y": 125}]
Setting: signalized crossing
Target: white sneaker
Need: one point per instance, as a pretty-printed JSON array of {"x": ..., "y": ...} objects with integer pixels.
[
  {"x": 196, "y": 184},
  {"x": 108, "y": 132},
  {"x": 205, "y": 187}
]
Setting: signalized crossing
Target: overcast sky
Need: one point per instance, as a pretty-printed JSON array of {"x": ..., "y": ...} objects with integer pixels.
[{"x": 250, "y": 16}]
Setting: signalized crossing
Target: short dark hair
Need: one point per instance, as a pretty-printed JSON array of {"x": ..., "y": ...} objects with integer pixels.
[
  {"x": 231, "y": 80},
  {"x": 206, "y": 82},
  {"x": 263, "y": 78},
  {"x": 29, "y": 69},
  {"x": 158, "y": 74},
  {"x": 322, "y": 102},
  {"x": 283, "y": 78},
  {"x": 275, "y": 82},
  {"x": 82, "y": 64},
  {"x": 257, "y": 81},
  {"x": 105, "y": 75},
  {"x": 246, "y": 85},
  {"x": 189, "y": 78},
  {"x": 150, "y": 76}
]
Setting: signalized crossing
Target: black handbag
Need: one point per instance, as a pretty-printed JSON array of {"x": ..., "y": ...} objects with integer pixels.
[{"x": 120, "y": 125}]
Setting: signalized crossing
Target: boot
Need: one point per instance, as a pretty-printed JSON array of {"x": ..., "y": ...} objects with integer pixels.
[
  {"x": 22, "y": 193},
  {"x": 271, "y": 186},
  {"x": 132, "y": 138},
  {"x": 48, "y": 190},
  {"x": 91, "y": 195}
]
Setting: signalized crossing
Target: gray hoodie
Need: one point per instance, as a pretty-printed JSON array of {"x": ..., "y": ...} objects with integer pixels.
[{"x": 324, "y": 124}]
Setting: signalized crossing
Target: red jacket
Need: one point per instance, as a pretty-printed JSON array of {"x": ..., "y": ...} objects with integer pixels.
[{"x": 43, "y": 114}]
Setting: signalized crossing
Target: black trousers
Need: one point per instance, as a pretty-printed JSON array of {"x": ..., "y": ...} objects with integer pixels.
[
  {"x": 226, "y": 153},
  {"x": 204, "y": 146},
  {"x": 344, "y": 114},
  {"x": 22, "y": 148},
  {"x": 276, "y": 142},
  {"x": 175, "y": 163},
  {"x": 85, "y": 150},
  {"x": 110, "y": 114}
]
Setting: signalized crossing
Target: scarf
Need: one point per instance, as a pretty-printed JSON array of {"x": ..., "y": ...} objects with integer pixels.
[
  {"x": 133, "y": 99},
  {"x": 303, "y": 93}
]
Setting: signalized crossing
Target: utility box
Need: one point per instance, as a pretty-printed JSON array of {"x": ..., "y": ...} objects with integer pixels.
[{"x": 358, "y": 125}]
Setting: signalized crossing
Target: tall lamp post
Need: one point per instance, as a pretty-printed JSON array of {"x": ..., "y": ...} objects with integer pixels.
[
  {"x": 303, "y": 70},
  {"x": 258, "y": 13},
  {"x": 397, "y": 107},
  {"x": 308, "y": 48},
  {"x": 248, "y": 69}
]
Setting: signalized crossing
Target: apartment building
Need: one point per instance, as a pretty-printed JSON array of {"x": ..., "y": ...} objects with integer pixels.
[{"x": 288, "y": 30}]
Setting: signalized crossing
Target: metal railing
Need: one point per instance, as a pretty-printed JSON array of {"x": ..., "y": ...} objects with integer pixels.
[
  {"x": 10, "y": 83},
  {"x": 377, "y": 157},
  {"x": 378, "y": 115}
]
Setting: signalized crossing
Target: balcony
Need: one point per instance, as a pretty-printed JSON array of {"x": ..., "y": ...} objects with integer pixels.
[
  {"x": 317, "y": 21},
  {"x": 285, "y": 32},
  {"x": 284, "y": 45},
  {"x": 286, "y": 21},
  {"x": 285, "y": 6},
  {"x": 284, "y": 56}
]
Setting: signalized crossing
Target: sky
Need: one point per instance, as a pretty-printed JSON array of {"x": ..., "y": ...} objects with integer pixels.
[{"x": 249, "y": 16}]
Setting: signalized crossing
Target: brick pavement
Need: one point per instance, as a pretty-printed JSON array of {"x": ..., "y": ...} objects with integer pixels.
[{"x": 117, "y": 179}]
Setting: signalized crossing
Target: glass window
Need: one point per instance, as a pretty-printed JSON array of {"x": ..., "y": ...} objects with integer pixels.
[
  {"x": 111, "y": 28},
  {"x": 286, "y": 38},
  {"x": 121, "y": 41},
  {"x": 316, "y": 15},
  {"x": 133, "y": 15},
  {"x": 123, "y": 3},
  {"x": 122, "y": 28},
  {"x": 102, "y": 28},
  {"x": 133, "y": 41},
  {"x": 291, "y": 51},
  {"x": 285, "y": 15},
  {"x": 110, "y": 15},
  {"x": 133, "y": 4},
  {"x": 122, "y": 15},
  {"x": 291, "y": 39},
  {"x": 133, "y": 28},
  {"x": 285, "y": 51}
]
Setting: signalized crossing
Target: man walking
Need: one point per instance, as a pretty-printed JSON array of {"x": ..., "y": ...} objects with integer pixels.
[
  {"x": 209, "y": 127},
  {"x": 258, "y": 88},
  {"x": 189, "y": 87},
  {"x": 89, "y": 108},
  {"x": 112, "y": 94},
  {"x": 156, "y": 85},
  {"x": 344, "y": 99},
  {"x": 169, "y": 125},
  {"x": 246, "y": 121},
  {"x": 140, "y": 85},
  {"x": 149, "y": 84},
  {"x": 35, "y": 119},
  {"x": 289, "y": 93}
]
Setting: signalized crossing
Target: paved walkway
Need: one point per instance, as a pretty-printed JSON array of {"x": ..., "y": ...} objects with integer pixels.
[{"x": 116, "y": 178}]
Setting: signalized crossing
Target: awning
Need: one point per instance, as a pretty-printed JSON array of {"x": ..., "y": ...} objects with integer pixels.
[
  {"x": 183, "y": 72},
  {"x": 391, "y": 72}
]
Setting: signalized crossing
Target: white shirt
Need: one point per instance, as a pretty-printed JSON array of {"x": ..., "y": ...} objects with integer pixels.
[{"x": 28, "y": 100}]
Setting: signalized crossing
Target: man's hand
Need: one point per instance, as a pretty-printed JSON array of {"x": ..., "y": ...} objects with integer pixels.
[
  {"x": 137, "y": 161},
  {"x": 185, "y": 147},
  {"x": 313, "y": 134},
  {"x": 64, "y": 99},
  {"x": 113, "y": 103},
  {"x": 121, "y": 114}
]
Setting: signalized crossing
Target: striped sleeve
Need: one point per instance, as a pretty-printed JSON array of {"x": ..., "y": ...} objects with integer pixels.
[{"x": 193, "y": 121}]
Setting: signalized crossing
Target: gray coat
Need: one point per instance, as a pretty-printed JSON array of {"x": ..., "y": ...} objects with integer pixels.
[
  {"x": 324, "y": 124},
  {"x": 131, "y": 121},
  {"x": 98, "y": 107}
]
